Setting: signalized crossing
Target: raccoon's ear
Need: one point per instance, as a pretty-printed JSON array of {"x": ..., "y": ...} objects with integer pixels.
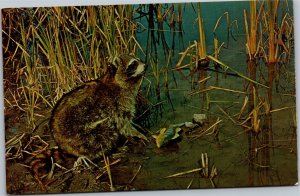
[
  {"x": 116, "y": 61},
  {"x": 113, "y": 66},
  {"x": 111, "y": 69}
]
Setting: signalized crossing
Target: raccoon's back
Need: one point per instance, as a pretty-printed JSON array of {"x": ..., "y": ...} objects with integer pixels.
[{"x": 81, "y": 122}]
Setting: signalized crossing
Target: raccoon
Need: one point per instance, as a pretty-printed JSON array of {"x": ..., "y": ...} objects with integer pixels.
[{"x": 89, "y": 120}]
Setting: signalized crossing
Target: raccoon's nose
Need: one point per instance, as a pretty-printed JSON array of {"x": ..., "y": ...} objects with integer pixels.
[{"x": 145, "y": 67}]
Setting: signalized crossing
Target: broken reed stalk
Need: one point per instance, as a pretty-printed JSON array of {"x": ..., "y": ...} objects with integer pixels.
[
  {"x": 226, "y": 114},
  {"x": 190, "y": 184},
  {"x": 208, "y": 129},
  {"x": 216, "y": 88},
  {"x": 133, "y": 178},
  {"x": 203, "y": 61},
  {"x": 251, "y": 48},
  {"x": 217, "y": 50},
  {"x": 243, "y": 107},
  {"x": 226, "y": 67},
  {"x": 217, "y": 47},
  {"x": 184, "y": 173},
  {"x": 267, "y": 135},
  {"x": 207, "y": 172},
  {"x": 107, "y": 166},
  {"x": 201, "y": 44}
]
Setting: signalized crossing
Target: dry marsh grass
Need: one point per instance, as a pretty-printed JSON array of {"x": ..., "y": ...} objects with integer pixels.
[{"x": 49, "y": 51}]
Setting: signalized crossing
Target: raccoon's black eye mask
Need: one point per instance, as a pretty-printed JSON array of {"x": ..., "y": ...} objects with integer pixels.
[{"x": 131, "y": 68}]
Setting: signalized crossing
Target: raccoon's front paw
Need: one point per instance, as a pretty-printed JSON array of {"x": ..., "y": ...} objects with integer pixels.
[{"x": 129, "y": 130}]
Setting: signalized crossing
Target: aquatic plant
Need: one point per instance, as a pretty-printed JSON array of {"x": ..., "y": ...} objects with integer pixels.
[
  {"x": 154, "y": 19},
  {"x": 202, "y": 60},
  {"x": 263, "y": 44},
  {"x": 251, "y": 48}
]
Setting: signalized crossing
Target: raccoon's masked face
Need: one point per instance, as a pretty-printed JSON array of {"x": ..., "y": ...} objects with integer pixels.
[
  {"x": 129, "y": 67},
  {"x": 135, "y": 68}
]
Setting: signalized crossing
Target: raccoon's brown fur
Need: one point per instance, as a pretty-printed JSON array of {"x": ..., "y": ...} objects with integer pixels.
[{"x": 89, "y": 119}]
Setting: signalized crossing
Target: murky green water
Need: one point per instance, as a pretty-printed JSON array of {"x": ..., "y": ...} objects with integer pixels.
[{"x": 229, "y": 154}]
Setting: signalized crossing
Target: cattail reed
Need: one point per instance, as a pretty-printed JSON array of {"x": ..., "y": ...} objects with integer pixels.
[{"x": 251, "y": 47}]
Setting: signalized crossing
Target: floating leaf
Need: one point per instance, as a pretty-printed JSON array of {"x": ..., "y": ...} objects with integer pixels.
[{"x": 165, "y": 135}]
